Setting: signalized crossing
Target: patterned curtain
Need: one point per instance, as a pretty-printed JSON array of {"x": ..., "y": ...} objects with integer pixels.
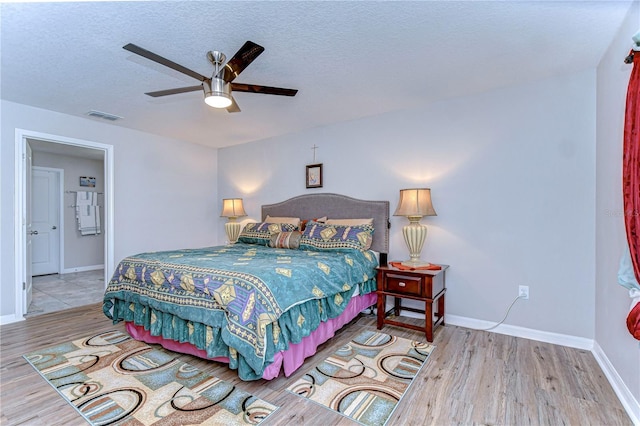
[{"x": 631, "y": 187}]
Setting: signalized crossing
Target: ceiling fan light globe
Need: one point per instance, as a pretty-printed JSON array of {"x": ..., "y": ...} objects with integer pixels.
[{"x": 218, "y": 101}]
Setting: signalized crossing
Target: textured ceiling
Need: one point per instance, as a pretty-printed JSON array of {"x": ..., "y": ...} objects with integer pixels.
[{"x": 348, "y": 59}]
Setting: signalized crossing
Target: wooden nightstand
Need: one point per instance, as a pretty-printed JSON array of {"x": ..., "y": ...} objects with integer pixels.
[{"x": 424, "y": 285}]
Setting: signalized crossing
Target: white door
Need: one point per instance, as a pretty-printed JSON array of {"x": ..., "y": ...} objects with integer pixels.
[
  {"x": 27, "y": 286},
  {"x": 45, "y": 221}
]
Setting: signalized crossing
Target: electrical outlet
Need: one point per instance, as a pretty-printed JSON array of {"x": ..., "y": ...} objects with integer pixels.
[{"x": 523, "y": 291}]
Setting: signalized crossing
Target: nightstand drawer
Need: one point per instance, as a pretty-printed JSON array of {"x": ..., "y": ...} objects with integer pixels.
[{"x": 404, "y": 284}]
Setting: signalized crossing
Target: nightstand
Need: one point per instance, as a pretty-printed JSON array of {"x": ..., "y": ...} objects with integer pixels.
[{"x": 424, "y": 285}]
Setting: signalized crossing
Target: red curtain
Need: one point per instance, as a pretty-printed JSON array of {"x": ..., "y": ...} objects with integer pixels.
[{"x": 631, "y": 182}]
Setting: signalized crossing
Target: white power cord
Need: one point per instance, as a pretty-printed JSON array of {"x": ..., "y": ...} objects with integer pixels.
[{"x": 502, "y": 320}]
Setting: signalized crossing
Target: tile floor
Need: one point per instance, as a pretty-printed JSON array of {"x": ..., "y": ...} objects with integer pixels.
[{"x": 63, "y": 291}]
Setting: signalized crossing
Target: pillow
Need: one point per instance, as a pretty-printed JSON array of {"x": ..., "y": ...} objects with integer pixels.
[
  {"x": 286, "y": 240},
  {"x": 349, "y": 221},
  {"x": 260, "y": 233},
  {"x": 303, "y": 223},
  {"x": 295, "y": 221},
  {"x": 320, "y": 236}
]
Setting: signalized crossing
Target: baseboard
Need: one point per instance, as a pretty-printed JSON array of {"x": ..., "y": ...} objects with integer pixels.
[
  {"x": 527, "y": 333},
  {"x": 8, "y": 319},
  {"x": 82, "y": 269},
  {"x": 512, "y": 330},
  {"x": 630, "y": 404}
]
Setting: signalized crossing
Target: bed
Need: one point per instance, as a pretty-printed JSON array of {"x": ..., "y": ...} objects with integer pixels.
[{"x": 266, "y": 303}]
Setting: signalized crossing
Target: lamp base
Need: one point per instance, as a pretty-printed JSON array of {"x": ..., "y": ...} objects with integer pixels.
[
  {"x": 415, "y": 263},
  {"x": 414, "y": 235},
  {"x": 233, "y": 231}
]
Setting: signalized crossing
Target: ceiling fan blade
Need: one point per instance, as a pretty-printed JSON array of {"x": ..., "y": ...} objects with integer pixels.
[
  {"x": 243, "y": 57},
  {"x": 234, "y": 106},
  {"x": 163, "y": 61},
  {"x": 174, "y": 91},
  {"x": 254, "y": 88}
]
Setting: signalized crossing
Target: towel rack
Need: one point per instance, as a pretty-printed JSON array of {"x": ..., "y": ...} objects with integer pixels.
[{"x": 75, "y": 192}]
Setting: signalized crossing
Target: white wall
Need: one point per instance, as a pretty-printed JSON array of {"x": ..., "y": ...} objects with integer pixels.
[
  {"x": 612, "y": 301},
  {"x": 520, "y": 194},
  {"x": 79, "y": 250},
  {"x": 165, "y": 189},
  {"x": 512, "y": 174}
]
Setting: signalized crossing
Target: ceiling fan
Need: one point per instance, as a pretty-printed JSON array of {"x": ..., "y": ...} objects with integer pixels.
[{"x": 217, "y": 88}]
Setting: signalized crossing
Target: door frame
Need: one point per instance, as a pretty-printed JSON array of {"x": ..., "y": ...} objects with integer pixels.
[
  {"x": 20, "y": 231},
  {"x": 60, "y": 197}
]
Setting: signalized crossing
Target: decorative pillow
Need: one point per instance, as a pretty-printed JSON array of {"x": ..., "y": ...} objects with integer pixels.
[
  {"x": 286, "y": 240},
  {"x": 319, "y": 236},
  {"x": 260, "y": 233},
  {"x": 303, "y": 223},
  {"x": 295, "y": 221},
  {"x": 349, "y": 221}
]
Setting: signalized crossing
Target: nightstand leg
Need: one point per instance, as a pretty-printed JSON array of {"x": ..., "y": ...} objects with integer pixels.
[
  {"x": 396, "y": 306},
  {"x": 428, "y": 320},
  {"x": 441, "y": 308},
  {"x": 381, "y": 309}
]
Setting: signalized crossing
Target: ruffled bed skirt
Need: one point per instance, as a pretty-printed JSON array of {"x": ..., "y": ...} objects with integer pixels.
[
  {"x": 285, "y": 360},
  {"x": 206, "y": 329}
]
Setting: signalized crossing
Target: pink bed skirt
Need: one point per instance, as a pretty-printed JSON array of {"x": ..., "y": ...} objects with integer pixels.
[{"x": 289, "y": 360}]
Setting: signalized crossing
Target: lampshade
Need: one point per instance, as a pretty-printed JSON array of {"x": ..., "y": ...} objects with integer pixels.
[
  {"x": 232, "y": 208},
  {"x": 415, "y": 202},
  {"x": 217, "y": 93}
]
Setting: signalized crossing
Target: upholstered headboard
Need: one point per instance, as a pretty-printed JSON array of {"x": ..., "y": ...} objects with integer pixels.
[{"x": 336, "y": 206}]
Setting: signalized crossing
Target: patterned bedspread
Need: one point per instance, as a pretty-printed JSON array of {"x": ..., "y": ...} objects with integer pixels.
[{"x": 243, "y": 301}]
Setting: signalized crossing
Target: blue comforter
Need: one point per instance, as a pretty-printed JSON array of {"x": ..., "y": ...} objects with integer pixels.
[{"x": 243, "y": 301}]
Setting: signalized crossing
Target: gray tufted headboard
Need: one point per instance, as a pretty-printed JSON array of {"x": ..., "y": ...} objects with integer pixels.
[{"x": 336, "y": 206}]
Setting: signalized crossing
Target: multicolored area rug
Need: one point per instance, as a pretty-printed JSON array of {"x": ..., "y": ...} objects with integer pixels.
[
  {"x": 112, "y": 379},
  {"x": 365, "y": 379}
]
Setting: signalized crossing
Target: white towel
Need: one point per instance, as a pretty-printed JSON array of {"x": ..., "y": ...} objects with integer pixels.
[
  {"x": 88, "y": 213},
  {"x": 84, "y": 198}
]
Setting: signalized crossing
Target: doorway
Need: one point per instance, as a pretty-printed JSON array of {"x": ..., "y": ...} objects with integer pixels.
[{"x": 23, "y": 187}]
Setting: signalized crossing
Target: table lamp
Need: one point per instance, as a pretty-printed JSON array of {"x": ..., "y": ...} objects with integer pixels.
[
  {"x": 233, "y": 209},
  {"x": 414, "y": 204}
]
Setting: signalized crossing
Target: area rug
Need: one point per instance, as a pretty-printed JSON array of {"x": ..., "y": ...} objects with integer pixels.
[
  {"x": 112, "y": 379},
  {"x": 366, "y": 378}
]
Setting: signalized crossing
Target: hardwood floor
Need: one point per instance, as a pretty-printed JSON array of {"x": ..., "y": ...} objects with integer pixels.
[{"x": 473, "y": 377}]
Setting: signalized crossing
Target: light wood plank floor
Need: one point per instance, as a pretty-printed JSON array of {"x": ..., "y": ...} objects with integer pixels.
[{"x": 473, "y": 377}]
